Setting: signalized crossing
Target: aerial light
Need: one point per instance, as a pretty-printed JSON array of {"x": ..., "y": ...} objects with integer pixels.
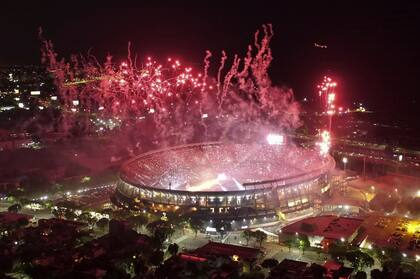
[
  {"x": 221, "y": 176},
  {"x": 275, "y": 139}
]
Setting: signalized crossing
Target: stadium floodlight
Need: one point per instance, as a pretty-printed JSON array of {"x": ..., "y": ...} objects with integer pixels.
[
  {"x": 221, "y": 176},
  {"x": 275, "y": 139}
]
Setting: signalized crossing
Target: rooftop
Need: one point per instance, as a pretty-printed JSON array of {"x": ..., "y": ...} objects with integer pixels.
[
  {"x": 227, "y": 250},
  {"x": 328, "y": 226},
  {"x": 10, "y": 217},
  {"x": 292, "y": 266}
]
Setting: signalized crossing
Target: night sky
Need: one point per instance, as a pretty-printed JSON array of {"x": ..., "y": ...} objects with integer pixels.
[{"x": 373, "y": 48}]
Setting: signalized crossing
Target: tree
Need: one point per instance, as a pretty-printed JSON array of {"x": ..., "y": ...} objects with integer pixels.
[
  {"x": 173, "y": 249},
  {"x": 318, "y": 271},
  {"x": 247, "y": 234},
  {"x": 138, "y": 221},
  {"x": 24, "y": 201},
  {"x": 161, "y": 230},
  {"x": 270, "y": 263},
  {"x": 102, "y": 223},
  {"x": 360, "y": 275},
  {"x": 152, "y": 227},
  {"x": 289, "y": 244},
  {"x": 359, "y": 260},
  {"x": 196, "y": 225},
  {"x": 86, "y": 217},
  {"x": 113, "y": 272},
  {"x": 140, "y": 267},
  {"x": 121, "y": 215},
  {"x": 156, "y": 258},
  {"x": 389, "y": 257},
  {"x": 303, "y": 242},
  {"x": 15, "y": 208},
  {"x": 69, "y": 214},
  {"x": 366, "y": 261},
  {"x": 252, "y": 275},
  {"x": 337, "y": 251},
  {"x": 58, "y": 212},
  {"x": 176, "y": 219},
  {"x": 22, "y": 222},
  {"x": 260, "y": 237},
  {"x": 222, "y": 227},
  {"x": 376, "y": 274}
]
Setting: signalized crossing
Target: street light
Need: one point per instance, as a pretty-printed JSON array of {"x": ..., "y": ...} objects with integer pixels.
[{"x": 345, "y": 161}]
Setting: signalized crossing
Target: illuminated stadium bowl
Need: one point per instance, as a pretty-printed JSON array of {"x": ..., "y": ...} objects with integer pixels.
[{"x": 220, "y": 178}]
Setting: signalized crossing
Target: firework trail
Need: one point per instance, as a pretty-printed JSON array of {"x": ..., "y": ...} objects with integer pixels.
[
  {"x": 204, "y": 99},
  {"x": 174, "y": 102},
  {"x": 219, "y": 75},
  {"x": 327, "y": 96}
]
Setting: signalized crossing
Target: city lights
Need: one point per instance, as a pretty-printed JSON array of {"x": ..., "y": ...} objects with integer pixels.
[{"x": 167, "y": 164}]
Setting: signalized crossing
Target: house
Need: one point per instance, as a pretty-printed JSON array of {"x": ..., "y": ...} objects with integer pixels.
[
  {"x": 11, "y": 219},
  {"x": 337, "y": 269},
  {"x": 244, "y": 256},
  {"x": 290, "y": 268},
  {"x": 235, "y": 252}
]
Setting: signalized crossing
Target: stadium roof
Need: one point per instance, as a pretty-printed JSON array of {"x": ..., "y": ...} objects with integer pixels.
[{"x": 219, "y": 167}]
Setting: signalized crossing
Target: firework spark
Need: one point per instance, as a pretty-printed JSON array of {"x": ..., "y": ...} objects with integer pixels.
[
  {"x": 327, "y": 96},
  {"x": 179, "y": 101},
  {"x": 325, "y": 143}
]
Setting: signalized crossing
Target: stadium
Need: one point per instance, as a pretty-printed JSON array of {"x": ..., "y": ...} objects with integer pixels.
[{"x": 230, "y": 181}]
